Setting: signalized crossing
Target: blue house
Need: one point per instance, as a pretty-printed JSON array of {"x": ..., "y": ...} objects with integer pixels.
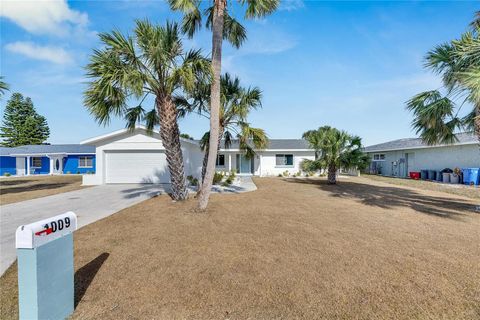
[{"x": 47, "y": 159}]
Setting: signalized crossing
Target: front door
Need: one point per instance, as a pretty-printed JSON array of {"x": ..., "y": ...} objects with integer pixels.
[
  {"x": 244, "y": 164},
  {"x": 57, "y": 165}
]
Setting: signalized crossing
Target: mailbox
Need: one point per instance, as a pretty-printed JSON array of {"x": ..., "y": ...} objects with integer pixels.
[{"x": 45, "y": 267}]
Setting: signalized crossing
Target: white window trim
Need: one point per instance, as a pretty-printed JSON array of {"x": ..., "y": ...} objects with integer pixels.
[
  {"x": 85, "y": 167},
  {"x": 378, "y": 154},
  {"x": 285, "y": 165},
  {"x": 36, "y": 167}
]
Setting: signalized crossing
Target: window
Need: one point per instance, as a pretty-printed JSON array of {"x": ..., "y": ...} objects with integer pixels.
[
  {"x": 37, "y": 162},
  {"x": 282, "y": 160},
  {"x": 220, "y": 160},
  {"x": 379, "y": 157},
  {"x": 85, "y": 162}
]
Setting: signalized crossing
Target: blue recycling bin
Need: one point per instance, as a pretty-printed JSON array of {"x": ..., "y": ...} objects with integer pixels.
[
  {"x": 432, "y": 174},
  {"x": 439, "y": 176},
  {"x": 471, "y": 176},
  {"x": 424, "y": 174}
]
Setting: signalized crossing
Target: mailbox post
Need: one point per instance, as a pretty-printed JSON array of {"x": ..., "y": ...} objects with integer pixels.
[{"x": 45, "y": 267}]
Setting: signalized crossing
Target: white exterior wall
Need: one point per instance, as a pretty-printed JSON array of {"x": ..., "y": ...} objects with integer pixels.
[
  {"x": 269, "y": 167},
  {"x": 138, "y": 140},
  {"x": 434, "y": 158}
]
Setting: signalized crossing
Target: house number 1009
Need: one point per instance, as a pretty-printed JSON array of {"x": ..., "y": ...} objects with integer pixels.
[{"x": 58, "y": 225}]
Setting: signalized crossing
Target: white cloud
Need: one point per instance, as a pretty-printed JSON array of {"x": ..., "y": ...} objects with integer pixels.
[
  {"x": 44, "y": 17},
  {"x": 290, "y": 5},
  {"x": 49, "y": 53}
]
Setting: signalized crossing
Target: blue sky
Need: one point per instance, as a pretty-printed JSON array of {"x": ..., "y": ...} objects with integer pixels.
[{"x": 351, "y": 65}]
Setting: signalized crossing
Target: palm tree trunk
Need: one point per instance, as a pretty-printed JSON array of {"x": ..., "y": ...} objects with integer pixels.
[
  {"x": 332, "y": 174},
  {"x": 217, "y": 38},
  {"x": 170, "y": 135},
  {"x": 476, "y": 122},
  {"x": 205, "y": 156}
]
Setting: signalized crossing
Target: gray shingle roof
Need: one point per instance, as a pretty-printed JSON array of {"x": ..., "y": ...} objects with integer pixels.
[
  {"x": 415, "y": 143},
  {"x": 45, "y": 149},
  {"x": 276, "y": 144}
]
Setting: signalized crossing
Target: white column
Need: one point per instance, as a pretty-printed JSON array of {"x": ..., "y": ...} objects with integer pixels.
[
  {"x": 28, "y": 165},
  {"x": 51, "y": 165},
  {"x": 260, "y": 165},
  {"x": 229, "y": 162}
]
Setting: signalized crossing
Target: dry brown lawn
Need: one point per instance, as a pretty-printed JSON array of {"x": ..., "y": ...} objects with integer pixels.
[
  {"x": 293, "y": 249},
  {"x": 457, "y": 189},
  {"x": 31, "y": 187}
]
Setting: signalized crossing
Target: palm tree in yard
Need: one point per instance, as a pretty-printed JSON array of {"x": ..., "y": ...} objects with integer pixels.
[
  {"x": 336, "y": 149},
  {"x": 236, "y": 104},
  {"x": 150, "y": 63},
  {"x": 3, "y": 86},
  {"x": 436, "y": 116},
  {"x": 223, "y": 26}
]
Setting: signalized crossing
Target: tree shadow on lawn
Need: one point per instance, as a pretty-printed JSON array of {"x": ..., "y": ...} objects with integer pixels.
[
  {"x": 152, "y": 190},
  {"x": 85, "y": 275},
  {"x": 35, "y": 187},
  {"x": 15, "y": 182},
  {"x": 391, "y": 197}
]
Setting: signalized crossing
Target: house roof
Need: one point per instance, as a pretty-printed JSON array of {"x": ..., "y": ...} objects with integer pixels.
[
  {"x": 274, "y": 144},
  {"x": 417, "y": 143},
  {"x": 47, "y": 149},
  {"x": 139, "y": 128}
]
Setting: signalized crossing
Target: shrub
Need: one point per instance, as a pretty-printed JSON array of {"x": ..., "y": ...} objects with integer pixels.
[
  {"x": 217, "y": 178},
  {"x": 68, "y": 172},
  {"x": 279, "y": 175},
  {"x": 192, "y": 180},
  {"x": 286, "y": 173},
  {"x": 78, "y": 172},
  {"x": 7, "y": 174}
]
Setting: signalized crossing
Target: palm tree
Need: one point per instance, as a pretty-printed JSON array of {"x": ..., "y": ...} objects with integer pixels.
[
  {"x": 3, "y": 86},
  {"x": 336, "y": 149},
  {"x": 436, "y": 116},
  {"x": 223, "y": 26},
  {"x": 150, "y": 63},
  {"x": 236, "y": 104}
]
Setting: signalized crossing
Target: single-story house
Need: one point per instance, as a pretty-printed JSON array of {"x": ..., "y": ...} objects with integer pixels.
[
  {"x": 47, "y": 159},
  {"x": 126, "y": 156},
  {"x": 400, "y": 157}
]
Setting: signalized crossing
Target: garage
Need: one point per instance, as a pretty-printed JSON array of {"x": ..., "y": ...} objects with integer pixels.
[{"x": 136, "y": 166}]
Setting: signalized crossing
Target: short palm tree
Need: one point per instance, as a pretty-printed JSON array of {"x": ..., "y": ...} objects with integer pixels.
[
  {"x": 131, "y": 68},
  {"x": 336, "y": 149},
  {"x": 236, "y": 104},
  {"x": 436, "y": 116},
  {"x": 223, "y": 26},
  {"x": 3, "y": 86}
]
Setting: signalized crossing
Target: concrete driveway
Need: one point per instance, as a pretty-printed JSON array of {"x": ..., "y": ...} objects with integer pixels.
[{"x": 90, "y": 205}]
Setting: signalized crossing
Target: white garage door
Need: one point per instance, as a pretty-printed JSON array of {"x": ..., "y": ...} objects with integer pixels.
[{"x": 136, "y": 167}]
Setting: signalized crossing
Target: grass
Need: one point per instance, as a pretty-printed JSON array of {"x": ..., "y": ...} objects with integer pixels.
[
  {"x": 294, "y": 249},
  {"x": 31, "y": 187},
  {"x": 457, "y": 189}
]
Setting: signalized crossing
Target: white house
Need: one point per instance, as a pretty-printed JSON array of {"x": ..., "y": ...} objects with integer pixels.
[
  {"x": 126, "y": 156},
  {"x": 400, "y": 157}
]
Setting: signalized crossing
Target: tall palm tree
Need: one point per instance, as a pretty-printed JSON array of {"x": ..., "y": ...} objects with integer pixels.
[
  {"x": 236, "y": 104},
  {"x": 336, "y": 149},
  {"x": 436, "y": 116},
  {"x": 3, "y": 86},
  {"x": 149, "y": 63},
  {"x": 223, "y": 26}
]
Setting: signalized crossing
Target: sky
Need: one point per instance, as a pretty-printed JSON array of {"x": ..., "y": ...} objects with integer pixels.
[{"x": 351, "y": 65}]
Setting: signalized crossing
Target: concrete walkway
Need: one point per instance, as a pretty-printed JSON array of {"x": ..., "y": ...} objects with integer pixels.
[{"x": 90, "y": 205}]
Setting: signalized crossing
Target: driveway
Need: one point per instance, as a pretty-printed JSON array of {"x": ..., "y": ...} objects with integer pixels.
[{"x": 90, "y": 205}]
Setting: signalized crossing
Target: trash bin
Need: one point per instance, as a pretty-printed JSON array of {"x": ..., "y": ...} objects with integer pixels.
[
  {"x": 432, "y": 175},
  {"x": 446, "y": 177},
  {"x": 471, "y": 176},
  {"x": 414, "y": 175},
  {"x": 439, "y": 176},
  {"x": 424, "y": 174}
]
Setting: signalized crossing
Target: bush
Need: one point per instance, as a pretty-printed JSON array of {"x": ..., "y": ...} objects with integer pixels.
[
  {"x": 192, "y": 180},
  {"x": 68, "y": 172},
  {"x": 286, "y": 173},
  {"x": 279, "y": 175},
  {"x": 7, "y": 174},
  {"x": 78, "y": 172},
  {"x": 217, "y": 177}
]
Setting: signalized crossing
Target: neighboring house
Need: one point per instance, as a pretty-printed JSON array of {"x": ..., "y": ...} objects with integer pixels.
[
  {"x": 126, "y": 156},
  {"x": 47, "y": 159},
  {"x": 400, "y": 157}
]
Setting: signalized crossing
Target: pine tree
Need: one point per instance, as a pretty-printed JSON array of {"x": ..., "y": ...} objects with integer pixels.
[{"x": 22, "y": 124}]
